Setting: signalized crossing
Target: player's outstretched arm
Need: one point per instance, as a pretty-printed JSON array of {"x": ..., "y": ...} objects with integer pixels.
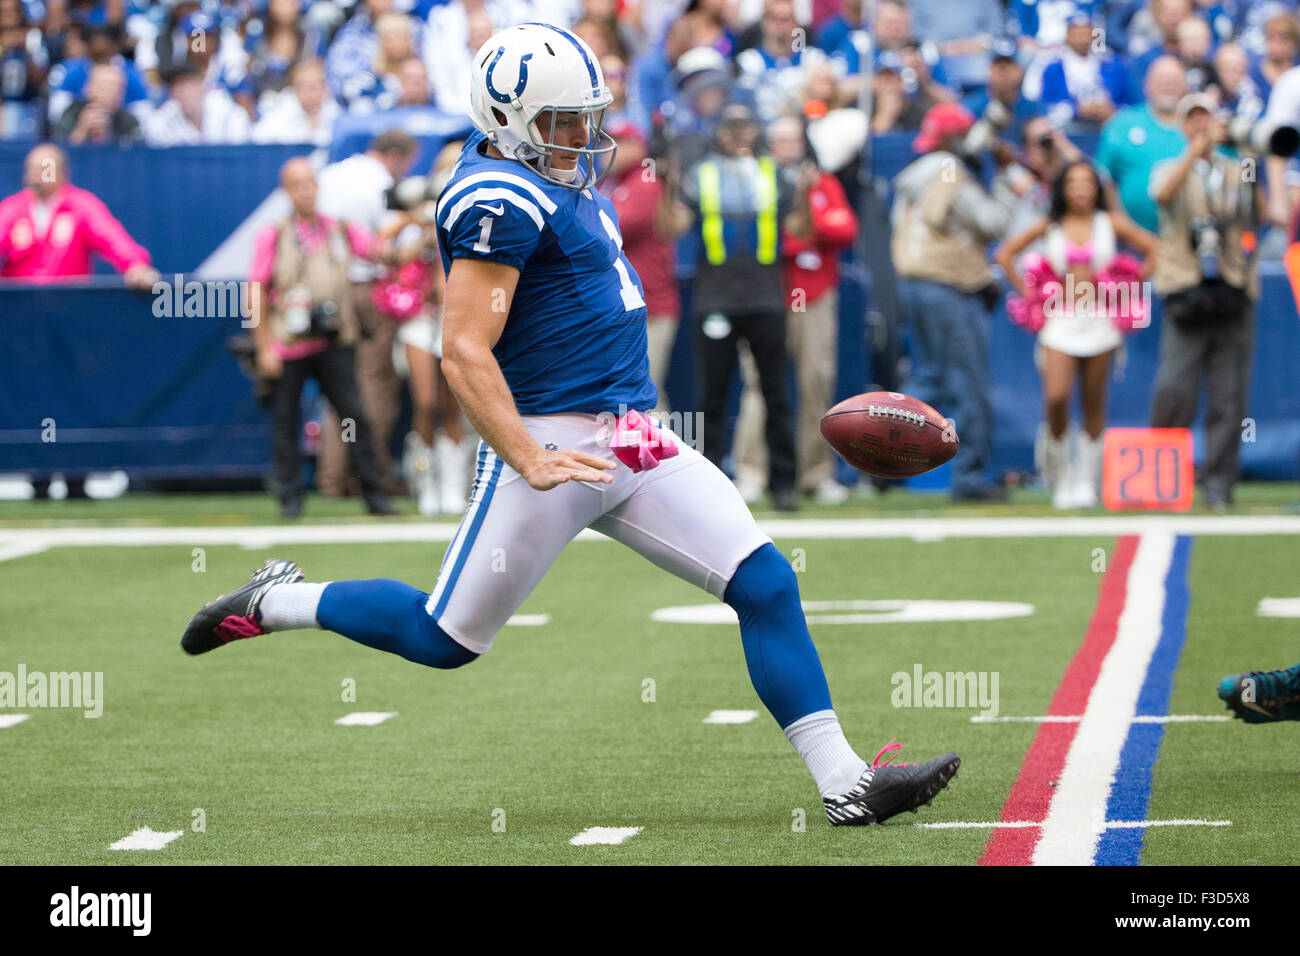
[{"x": 475, "y": 308}]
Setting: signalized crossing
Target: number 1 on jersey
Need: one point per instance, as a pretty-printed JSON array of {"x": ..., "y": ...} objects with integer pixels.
[
  {"x": 626, "y": 287},
  {"x": 482, "y": 244}
]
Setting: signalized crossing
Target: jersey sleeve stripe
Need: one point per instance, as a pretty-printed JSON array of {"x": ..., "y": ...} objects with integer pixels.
[
  {"x": 496, "y": 178},
  {"x": 489, "y": 195}
]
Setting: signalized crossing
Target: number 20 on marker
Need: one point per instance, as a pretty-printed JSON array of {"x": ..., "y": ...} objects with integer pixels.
[{"x": 1148, "y": 468}]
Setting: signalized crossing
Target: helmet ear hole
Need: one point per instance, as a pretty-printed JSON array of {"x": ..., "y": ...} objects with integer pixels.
[{"x": 499, "y": 116}]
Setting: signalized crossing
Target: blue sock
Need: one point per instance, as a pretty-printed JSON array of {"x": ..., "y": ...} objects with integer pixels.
[
  {"x": 389, "y": 616},
  {"x": 779, "y": 652}
]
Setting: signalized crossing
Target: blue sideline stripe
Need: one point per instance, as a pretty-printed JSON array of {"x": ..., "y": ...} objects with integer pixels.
[
  {"x": 470, "y": 535},
  {"x": 1130, "y": 795}
]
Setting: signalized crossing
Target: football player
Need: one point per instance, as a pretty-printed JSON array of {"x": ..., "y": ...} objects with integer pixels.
[{"x": 544, "y": 342}]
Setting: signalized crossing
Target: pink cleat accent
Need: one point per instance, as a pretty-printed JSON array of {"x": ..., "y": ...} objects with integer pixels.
[{"x": 235, "y": 628}]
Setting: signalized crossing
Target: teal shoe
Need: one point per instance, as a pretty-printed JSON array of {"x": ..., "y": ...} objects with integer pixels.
[{"x": 1263, "y": 697}]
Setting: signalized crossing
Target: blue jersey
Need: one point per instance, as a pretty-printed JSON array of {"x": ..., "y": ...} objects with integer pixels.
[{"x": 575, "y": 338}]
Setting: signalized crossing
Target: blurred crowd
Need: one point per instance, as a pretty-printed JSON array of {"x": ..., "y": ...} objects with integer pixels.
[
  {"x": 755, "y": 116},
  {"x": 231, "y": 71}
]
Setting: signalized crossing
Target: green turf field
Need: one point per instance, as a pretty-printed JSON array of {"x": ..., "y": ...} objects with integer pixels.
[{"x": 552, "y": 733}]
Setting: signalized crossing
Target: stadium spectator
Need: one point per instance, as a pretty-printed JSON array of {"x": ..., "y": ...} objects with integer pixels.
[
  {"x": 1252, "y": 30},
  {"x": 1048, "y": 24},
  {"x": 1044, "y": 153},
  {"x": 773, "y": 71},
  {"x": 454, "y": 33},
  {"x": 282, "y": 39},
  {"x": 702, "y": 86},
  {"x": 303, "y": 113},
  {"x": 379, "y": 86},
  {"x": 739, "y": 204},
  {"x": 171, "y": 46},
  {"x": 70, "y": 78},
  {"x": 1238, "y": 92},
  {"x": 892, "y": 108},
  {"x": 614, "y": 70},
  {"x": 836, "y": 30},
  {"x": 412, "y": 85},
  {"x": 1002, "y": 103},
  {"x": 354, "y": 49},
  {"x": 100, "y": 117},
  {"x": 1195, "y": 44},
  {"x": 193, "y": 114},
  {"x": 24, "y": 57},
  {"x": 51, "y": 229},
  {"x": 1281, "y": 47},
  {"x": 305, "y": 326},
  {"x": 1208, "y": 281},
  {"x": 650, "y": 219},
  {"x": 824, "y": 224},
  {"x": 942, "y": 220},
  {"x": 1084, "y": 84},
  {"x": 1078, "y": 332},
  {"x": 1153, "y": 34},
  {"x": 219, "y": 56},
  {"x": 703, "y": 23},
  {"x": 603, "y": 14},
  {"x": 1139, "y": 136},
  {"x": 964, "y": 33},
  {"x": 353, "y": 191}
]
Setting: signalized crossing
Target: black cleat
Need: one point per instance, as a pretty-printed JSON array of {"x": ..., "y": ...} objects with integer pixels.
[
  {"x": 236, "y": 615},
  {"x": 884, "y": 791}
]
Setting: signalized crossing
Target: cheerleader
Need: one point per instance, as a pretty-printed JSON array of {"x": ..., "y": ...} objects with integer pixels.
[{"x": 1080, "y": 294}]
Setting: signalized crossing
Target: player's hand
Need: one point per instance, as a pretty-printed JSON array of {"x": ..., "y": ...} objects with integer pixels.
[{"x": 552, "y": 468}]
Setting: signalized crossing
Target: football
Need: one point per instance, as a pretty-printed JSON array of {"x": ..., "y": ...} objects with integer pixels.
[{"x": 889, "y": 435}]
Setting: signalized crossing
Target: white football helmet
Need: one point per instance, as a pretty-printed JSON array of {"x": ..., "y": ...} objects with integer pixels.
[{"x": 532, "y": 68}]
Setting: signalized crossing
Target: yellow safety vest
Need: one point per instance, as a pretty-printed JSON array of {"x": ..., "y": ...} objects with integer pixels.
[{"x": 715, "y": 249}]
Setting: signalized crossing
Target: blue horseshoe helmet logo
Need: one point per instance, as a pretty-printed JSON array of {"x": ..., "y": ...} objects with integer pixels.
[{"x": 519, "y": 87}]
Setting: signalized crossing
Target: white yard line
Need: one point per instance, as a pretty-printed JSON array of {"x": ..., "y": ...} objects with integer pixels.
[
  {"x": 365, "y": 718},
  {"x": 604, "y": 836},
  {"x": 146, "y": 839},
  {"x": 920, "y": 529},
  {"x": 730, "y": 716},
  {"x": 1075, "y": 818},
  {"x": 11, "y": 720}
]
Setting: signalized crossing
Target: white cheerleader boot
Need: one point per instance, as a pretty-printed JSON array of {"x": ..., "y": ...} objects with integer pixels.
[
  {"x": 421, "y": 479},
  {"x": 1053, "y": 458},
  {"x": 453, "y": 475},
  {"x": 1087, "y": 487}
]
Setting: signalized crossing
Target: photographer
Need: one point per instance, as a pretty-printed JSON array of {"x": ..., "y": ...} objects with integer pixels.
[
  {"x": 1208, "y": 281},
  {"x": 305, "y": 325},
  {"x": 942, "y": 221}
]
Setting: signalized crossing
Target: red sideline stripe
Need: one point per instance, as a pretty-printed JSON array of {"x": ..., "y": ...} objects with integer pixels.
[{"x": 1031, "y": 795}]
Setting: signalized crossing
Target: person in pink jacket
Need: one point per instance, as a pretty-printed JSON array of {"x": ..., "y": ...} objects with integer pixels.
[{"x": 50, "y": 229}]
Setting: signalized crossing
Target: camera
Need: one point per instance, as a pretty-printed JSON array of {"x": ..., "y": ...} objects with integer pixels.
[
  {"x": 993, "y": 122},
  {"x": 1206, "y": 242},
  {"x": 325, "y": 319},
  {"x": 414, "y": 194}
]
